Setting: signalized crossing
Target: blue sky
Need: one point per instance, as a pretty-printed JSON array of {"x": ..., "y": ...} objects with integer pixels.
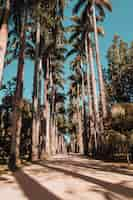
[{"x": 119, "y": 21}]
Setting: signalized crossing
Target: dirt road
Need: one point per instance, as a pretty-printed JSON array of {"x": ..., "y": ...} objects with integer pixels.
[{"x": 68, "y": 178}]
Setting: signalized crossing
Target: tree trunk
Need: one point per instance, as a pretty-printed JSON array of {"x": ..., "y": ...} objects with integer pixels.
[
  {"x": 53, "y": 132},
  {"x": 35, "y": 117},
  {"x": 98, "y": 122},
  {"x": 51, "y": 111},
  {"x": 100, "y": 72},
  {"x": 85, "y": 137},
  {"x": 4, "y": 38},
  {"x": 56, "y": 137},
  {"x": 53, "y": 121},
  {"x": 80, "y": 130},
  {"x": 91, "y": 114},
  {"x": 47, "y": 146},
  {"x": 39, "y": 106},
  {"x": 59, "y": 144},
  {"x": 16, "y": 115},
  {"x": 93, "y": 81}
]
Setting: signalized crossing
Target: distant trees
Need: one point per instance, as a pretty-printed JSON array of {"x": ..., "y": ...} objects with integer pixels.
[
  {"x": 119, "y": 89},
  {"x": 119, "y": 79}
]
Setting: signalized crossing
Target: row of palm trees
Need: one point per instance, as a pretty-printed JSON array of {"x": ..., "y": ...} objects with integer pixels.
[
  {"x": 85, "y": 47},
  {"x": 34, "y": 29}
]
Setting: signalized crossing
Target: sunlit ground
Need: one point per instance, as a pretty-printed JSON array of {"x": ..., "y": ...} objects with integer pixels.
[{"x": 68, "y": 178}]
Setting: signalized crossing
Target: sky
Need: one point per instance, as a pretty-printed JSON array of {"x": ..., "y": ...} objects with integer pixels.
[{"x": 119, "y": 21}]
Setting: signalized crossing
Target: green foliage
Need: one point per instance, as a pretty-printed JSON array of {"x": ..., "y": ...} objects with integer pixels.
[
  {"x": 9, "y": 87},
  {"x": 122, "y": 116},
  {"x": 119, "y": 79}
]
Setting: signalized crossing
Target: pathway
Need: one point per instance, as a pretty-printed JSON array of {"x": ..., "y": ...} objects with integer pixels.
[{"x": 68, "y": 178}]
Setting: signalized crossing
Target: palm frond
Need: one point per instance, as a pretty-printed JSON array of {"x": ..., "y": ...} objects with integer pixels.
[{"x": 78, "y": 6}]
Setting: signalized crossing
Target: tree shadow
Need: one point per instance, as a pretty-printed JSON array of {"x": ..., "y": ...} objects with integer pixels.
[
  {"x": 100, "y": 167},
  {"x": 6, "y": 180},
  {"x": 107, "y": 195},
  {"x": 3, "y": 179},
  {"x": 32, "y": 189},
  {"x": 112, "y": 187}
]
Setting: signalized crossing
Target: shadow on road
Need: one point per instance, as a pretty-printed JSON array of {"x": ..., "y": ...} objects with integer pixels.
[
  {"x": 3, "y": 179},
  {"x": 32, "y": 189},
  {"x": 98, "y": 166},
  {"x": 111, "y": 187}
]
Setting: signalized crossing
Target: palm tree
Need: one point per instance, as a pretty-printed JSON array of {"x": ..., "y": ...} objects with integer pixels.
[
  {"x": 90, "y": 7},
  {"x": 78, "y": 67},
  {"x": 75, "y": 93},
  {"x": 89, "y": 15},
  {"x": 92, "y": 117},
  {"x": 81, "y": 29},
  {"x": 47, "y": 12},
  {"x": 57, "y": 97},
  {"x": 41, "y": 52},
  {"x": 72, "y": 122},
  {"x": 4, "y": 37},
  {"x": 47, "y": 108},
  {"x": 18, "y": 96},
  {"x": 35, "y": 122},
  {"x": 104, "y": 3}
]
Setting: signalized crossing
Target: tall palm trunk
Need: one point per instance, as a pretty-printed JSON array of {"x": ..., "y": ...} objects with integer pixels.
[
  {"x": 100, "y": 72},
  {"x": 59, "y": 144},
  {"x": 81, "y": 146},
  {"x": 91, "y": 113},
  {"x": 56, "y": 137},
  {"x": 85, "y": 137},
  {"x": 98, "y": 123},
  {"x": 43, "y": 124},
  {"x": 35, "y": 120},
  {"x": 17, "y": 116},
  {"x": 39, "y": 106},
  {"x": 51, "y": 111},
  {"x": 53, "y": 136},
  {"x": 82, "y": 84},
  {"x": 93, "y": 80},
  {"x": 4, "y": 38},
  {"x": 47, "y": 109},
  {"x": 52, "y": 103}
]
